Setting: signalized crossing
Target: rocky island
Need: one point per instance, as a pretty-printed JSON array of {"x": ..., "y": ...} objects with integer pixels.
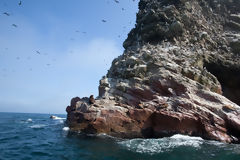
[{"x": 179, "y": 73}]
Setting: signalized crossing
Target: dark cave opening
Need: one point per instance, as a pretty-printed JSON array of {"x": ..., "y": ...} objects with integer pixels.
[{"x": 229, "y": 78}]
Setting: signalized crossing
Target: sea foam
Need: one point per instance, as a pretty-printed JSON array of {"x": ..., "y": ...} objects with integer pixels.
[
  {"x": 153, "y": 146},
  {"x": 38, "y": 126},
  {"x": 29, "y": 120},
  {"x": 61, "y": 121},
  {"x": 58, "y": 118},
  {"x": 65, "y": 128},
  {"x": 180, "y": 136}
]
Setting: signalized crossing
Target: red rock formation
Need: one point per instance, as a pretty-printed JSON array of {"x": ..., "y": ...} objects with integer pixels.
[{"x": 173, "y": 77}]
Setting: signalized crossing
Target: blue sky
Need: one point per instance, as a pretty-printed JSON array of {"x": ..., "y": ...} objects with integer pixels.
[{"x": 60, "y": 49}]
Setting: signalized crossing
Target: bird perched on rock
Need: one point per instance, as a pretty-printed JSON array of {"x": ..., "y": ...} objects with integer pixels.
[{"x": 91, "y": 99}]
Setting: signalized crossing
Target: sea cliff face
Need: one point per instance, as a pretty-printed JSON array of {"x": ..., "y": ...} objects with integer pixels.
[{"x": 179, "y": 73}]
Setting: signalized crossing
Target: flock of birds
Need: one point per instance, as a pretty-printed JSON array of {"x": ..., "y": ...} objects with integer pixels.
[
  {"x": 8, "y": 14},
  {"x": 77, "y": 31}
]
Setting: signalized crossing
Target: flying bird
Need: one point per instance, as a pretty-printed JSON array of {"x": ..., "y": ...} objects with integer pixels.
[
  {"x": 7, "y": 14},
  {"x": 20, "y": 3},
  {"x": 104, "y": 20},
  {"x": 14, "y": 25},
  {"x": 38, "y": 52},
  {"x": 116, "y": 1}
]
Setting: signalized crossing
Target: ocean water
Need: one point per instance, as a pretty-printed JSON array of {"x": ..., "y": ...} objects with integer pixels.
[{"x": 37, "y": 137}]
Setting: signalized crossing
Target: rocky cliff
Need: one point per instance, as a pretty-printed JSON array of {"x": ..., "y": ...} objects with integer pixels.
[{"x": 179, "y": 73}]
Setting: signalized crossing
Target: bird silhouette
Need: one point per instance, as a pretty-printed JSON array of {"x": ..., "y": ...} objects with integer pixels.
[
  {"x": 14, "y": 25},
  {"x": 116, "y": 1},
  {"x": 20, "y": 3},
  {"x": 6, "y": 13},
  {"x": 104, "y": 20},
  {"x": 38, "y": 52}
]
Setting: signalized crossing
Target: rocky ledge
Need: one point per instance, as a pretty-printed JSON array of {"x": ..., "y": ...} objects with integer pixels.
[{"x": 179, "y": 73}]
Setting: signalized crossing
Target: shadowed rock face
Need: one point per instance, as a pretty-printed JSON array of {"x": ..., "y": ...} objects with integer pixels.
[{"x": 179, "y": 73}]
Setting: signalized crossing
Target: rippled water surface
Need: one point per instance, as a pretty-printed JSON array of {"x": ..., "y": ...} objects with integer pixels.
[{"x": 36, "y": 136}]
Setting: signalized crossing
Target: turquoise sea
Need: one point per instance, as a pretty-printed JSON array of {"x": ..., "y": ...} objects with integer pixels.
[{"x": 37, "y": 137}]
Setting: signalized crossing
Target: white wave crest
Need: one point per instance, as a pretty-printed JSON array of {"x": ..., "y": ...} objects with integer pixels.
[
  {"x": 61, "y": 121},
  {"x": 65, "y": 128},
  {"x": 60, "y": 118},
  {"x": 57, "y": 118},
  {"x": 29, "y": 120},
  {"x": 38, "y": 126},
  {"x": 185, "y": 137},
  {"x": 153, "y": 146},
  {"x": 104, "y": 135}
]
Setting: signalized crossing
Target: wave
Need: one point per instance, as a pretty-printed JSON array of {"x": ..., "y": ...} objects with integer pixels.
[
  {"x": 180, "y": 136},
  {"x": 57, "y": 118},
  {"x": 38, "y": 126},
  {"x": 61, "y": 121},
  {"x": 2, "y": 139},
  {"x": 153, "y": 146},
  {"x": 65, "y": 129},
  {"x": 104, "y": 135},
  {"x": 29, "y": 120}
]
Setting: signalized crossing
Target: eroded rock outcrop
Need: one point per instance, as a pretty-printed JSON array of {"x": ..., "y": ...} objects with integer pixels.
[{"x": 179, "y": 73}]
